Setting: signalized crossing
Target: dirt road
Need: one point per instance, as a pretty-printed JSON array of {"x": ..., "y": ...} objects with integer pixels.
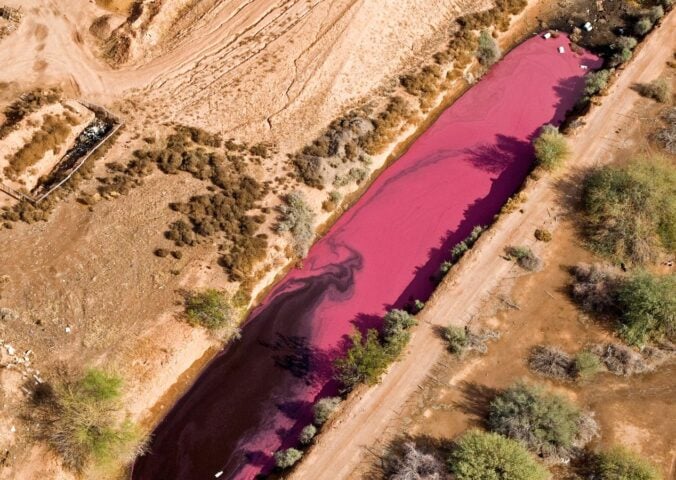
[{"x": 368, "y": 414}]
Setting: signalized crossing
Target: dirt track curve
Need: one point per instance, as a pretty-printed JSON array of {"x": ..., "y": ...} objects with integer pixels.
[{"x": 367, "y": 416}]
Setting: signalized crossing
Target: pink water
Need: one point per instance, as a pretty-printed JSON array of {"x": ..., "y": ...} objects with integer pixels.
[{"x": 256, "y": 396}]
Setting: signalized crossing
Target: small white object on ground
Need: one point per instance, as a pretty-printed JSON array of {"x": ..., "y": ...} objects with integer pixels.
[
  {"x": 561, "y": 49},
  {"x": 587, "y": 26},
  {"x": 218, "y": 474},
  {"x": 547, "y": 35},
  {"x": 13, "y": 429},
  {"x": 68, "y": 330},
  {"x": 10, "y": 350},
  {"x": 584, "y": 67}
]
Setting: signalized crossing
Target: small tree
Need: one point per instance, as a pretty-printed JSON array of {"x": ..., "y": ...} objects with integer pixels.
[
  {"x": 490, "y": 456},
  {"x": 365, "y": 361},
  {"x": 307, "y": 434},
  {"x": 396, "y": 324},
  {"x": 324, "y": 408},
  {"x": 287, "y": 458},
  {"x": 488, "y": 52},
  {"x": 551, "y": 148},
  {"x": 297, "y": 217},
  {"x": 621, "y": 464},
  {"x": 210, "y": 309},
  {"x": 546, "y": 423}
]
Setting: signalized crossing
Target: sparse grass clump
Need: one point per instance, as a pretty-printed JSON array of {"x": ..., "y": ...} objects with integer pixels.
[
  {"x": 524, "y": 257},
  {"x": 481, "y": 455},
  {"x": 543, "y": 235},
  {"x": 666, "y": 136},
  {"x": 456, "y": 339},
  {"x": 211, "y": 310},
  {"x": 550, "y": 362},
  {"x": 297, "y": 217},
  {"x": 621, "y": 464},
  {"x": 586, "y": 365},
  {"x": 551, "y": 148},
  {"x": 546, "y": 423},
  {"x": 629, "y": 210},
  {"x": 658, "y": 90},
  {"x": 50, "y": 137},
  {"x": 411, "y": 462},
  {"x": 80, "y": 420}
]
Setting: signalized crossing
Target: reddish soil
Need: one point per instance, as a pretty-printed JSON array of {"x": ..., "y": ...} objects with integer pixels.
[{"x": 379, "y": 255}]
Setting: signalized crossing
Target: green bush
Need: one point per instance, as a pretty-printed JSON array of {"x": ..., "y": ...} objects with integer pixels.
[
  {"x": 209, "y": 308},
  {"x": 551, "y": 148},
  {"x": 396, "y": 324},
  {"x": 489, "y": 456},
  {"x": 596, "y": 82},
  {"x": 456, "y": 338},
  {"x": 488, "y": 52},
  {"x": 79, "y": 421},
  {"x": 643, "y": 26},
  {"x": 287, "y": 458},
  {"x": 586, "y": 365},
  {"x": 621, "y": 464},
  {"x": 545, "y": 423},
  {"x": 647, "y": 305},
  {"x": 307, "y": 434},
  {"x": 629, "y": 210},
  {"x": 298, "y": 218},
  {"x": 323, "y": 409}
]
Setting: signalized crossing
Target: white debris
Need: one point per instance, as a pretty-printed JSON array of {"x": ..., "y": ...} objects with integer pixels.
[
  {"x": 13, "y": 429},
  {"x": 561, "y": 49},
  {"x": 584, "y": 67},
  {"x": 10, "y": 350},
  {"x": 68, "y": 330},
  {"x": 218, "y": 474},
  {"x": 587, "y": 26},
  {"x": 547, "y": 35}
]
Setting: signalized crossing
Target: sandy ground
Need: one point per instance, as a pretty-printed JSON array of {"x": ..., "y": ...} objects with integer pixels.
[{"x": 369, "y": 413}]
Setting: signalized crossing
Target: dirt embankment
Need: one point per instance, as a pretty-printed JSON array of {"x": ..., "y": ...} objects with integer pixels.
[{"x": 369, "y": 417}]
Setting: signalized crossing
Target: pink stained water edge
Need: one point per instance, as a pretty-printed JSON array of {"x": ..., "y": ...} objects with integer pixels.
[{"x": 455, "y": 176}]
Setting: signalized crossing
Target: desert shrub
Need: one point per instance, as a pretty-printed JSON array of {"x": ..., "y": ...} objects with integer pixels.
[
  {"x": 621, "y": 464},
  {"x": 595, "y": 82},
  {"x": 543, "y": 235},
  {"x": 625, "y": 42},
  {"x": 423, "y": 83},
  {"x": 79, "y": 420},
  {"x": 524, "y": 257},
  {"x": 396, "y": 325},
  {"x": 310, "y": 170},
  {"x": 489, "y": 456},
  {"x": 307, "y": 435},
  {"x": 412, "y": 463},
  {"x": 456, "y": 339},
  {"x": 287, "y": 458},
  {"x": 658, "y": 90},
  {"x": 550, "y": 362},
  {"x": 629, "y": 212},
  {"x": 551, "y": 148},
  {"x": 656, "y": 13},
  {"x": 324, "y": 408},
  {"x": 27, "y": 103},
  {"x": 50, "y": 137},
  {"x": 385, "y": 126},
  {"x": 594, "y": 287},
  {"x": 621, "y": 360},
  {"x": 488, "y": 52},
  {"x": 298, "y": 218},
  {"x": 364, "y": 362},
  {"x": 643, "y": 25},
  {"x": 546, "y": 423},
  {"x": 586, "y": 365},
  {"x": 211, "y": 310},
  {"x": 647, "y": 305},
  {"x": 161, "y": 252},
  {"x": 666, "y": 136}
]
